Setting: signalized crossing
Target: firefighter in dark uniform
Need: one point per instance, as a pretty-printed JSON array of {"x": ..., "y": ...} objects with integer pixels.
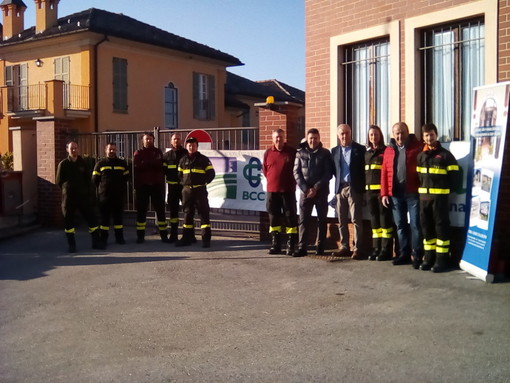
[
  {"x": 381, "y": 218},
  {"x": 73, "y": 177},
  {"x": 149, "y": 178},
  {"x": 439, "y": 175},
  {"x": 174, "y": 191},
  {"x": 195, "y": 172},
  {"x": 110, "y": 177}
]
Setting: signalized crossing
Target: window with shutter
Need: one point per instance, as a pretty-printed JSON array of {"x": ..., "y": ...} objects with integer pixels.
[
  {"x": 204, "y": 97},
  {"x": 120, "y": 85},
  {"x": 61, "y": 72},
  {"x": 171, "y": 107}
]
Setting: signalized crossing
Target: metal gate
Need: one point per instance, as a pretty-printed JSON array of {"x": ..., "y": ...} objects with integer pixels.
[{"x": 93, "y": 145}]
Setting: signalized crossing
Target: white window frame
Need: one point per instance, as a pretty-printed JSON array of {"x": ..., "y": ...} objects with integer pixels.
[
  {"x": 413, "y": 27},
  {"x": 204, "y": 96},
  {"x": 368, "y": 65},
  {"x": 336, "y": 43}
]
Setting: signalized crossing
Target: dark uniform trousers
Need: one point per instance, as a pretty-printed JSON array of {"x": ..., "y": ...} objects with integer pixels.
[
  {"x": 439, "y": 174},
  {"x": 73, "y": 177},
  {"x": 381, "y": 220},
  {"x": 196, "y": 197},
  {"x": 435, "y": 220},
  {"x": 70, "y": 204},
  {"x": 173, "y": 197},
  {"x": 281, "y": 205},
  {"x": 111, "y": 207},
  {"x": 156, "y": 194}
]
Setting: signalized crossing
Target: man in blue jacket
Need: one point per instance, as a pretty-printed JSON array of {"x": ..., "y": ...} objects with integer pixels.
[{"x": 349, "y": 160}]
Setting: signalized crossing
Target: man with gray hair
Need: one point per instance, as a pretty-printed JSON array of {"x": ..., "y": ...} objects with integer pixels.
[
  {"x": 349, "y": 160},
  {"x": 399, "y": 191},
  {"x": 281, "y": 192}
]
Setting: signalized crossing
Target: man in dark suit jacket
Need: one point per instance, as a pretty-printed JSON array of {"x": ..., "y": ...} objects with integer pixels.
[{"x": 349, "y": 159}]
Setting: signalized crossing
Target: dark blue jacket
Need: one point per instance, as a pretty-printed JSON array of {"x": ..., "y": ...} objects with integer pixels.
[
  {"x": 357, "y": 167},
  {"x": 313, "y": 168}
]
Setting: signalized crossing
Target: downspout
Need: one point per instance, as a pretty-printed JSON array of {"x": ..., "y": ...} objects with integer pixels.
[{"x": 96, "y": 82}]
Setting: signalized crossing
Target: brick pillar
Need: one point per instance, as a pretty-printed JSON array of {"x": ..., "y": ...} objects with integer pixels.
[
  {"x": 279, "y": 116},
  {"x": 51, "y": 141},
  {"x": 284, "y": 117},
  {"x": 291, "y": 124},
  {"x": 269, "y": 120}
]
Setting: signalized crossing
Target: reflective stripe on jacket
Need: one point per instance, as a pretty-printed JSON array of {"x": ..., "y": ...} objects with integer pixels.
[
  {"x": 110, "y": 176},
  {"x": 373, "y": 167},
  {"x": 195, "y": 170},
  {"x": 438, "y": 171}
]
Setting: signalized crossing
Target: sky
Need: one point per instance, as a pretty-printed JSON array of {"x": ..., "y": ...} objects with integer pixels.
[{"x": 266, "y": 35}]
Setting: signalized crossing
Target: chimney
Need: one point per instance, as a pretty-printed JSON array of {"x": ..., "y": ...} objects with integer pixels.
[
  {"x": 45, "y": 14},
  {"x": 13, "y": 12}
]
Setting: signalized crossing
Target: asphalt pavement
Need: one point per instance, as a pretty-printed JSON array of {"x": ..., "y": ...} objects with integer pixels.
[{"x": 156, "y": 313}]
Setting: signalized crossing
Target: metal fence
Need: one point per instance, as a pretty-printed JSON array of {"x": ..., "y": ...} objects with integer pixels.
[{"x": 93, "y": 145}]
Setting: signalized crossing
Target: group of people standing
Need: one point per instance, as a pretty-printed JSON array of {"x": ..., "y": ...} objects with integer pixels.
[
  {"x": 407, "y": 184},
  {"x": 185, "y": 171}
]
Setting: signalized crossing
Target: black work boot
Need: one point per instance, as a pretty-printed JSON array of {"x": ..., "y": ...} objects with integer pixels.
[
  {"x": 206, "y": 237},
  {"x": 441, "y": 264},
  {"x": 185, "y": 239},
  {"x": 193, "y": 239},
  {"x": 174, "y": 230},
  {"x": 276, "y": 247},
  {"x": 163, "y": 235},
  {"x": 291, "y": 244},
  {"x": 140, "y": 236},
  {"x": 97, "y": 244},
  {"x": 402, "y": 260},
  {"x": 119, "y": 236},
  {"x": 417, "y": 260},
  {"x": 71, "y": 242},
  {"x": 375, "y": 254},
  {"x": 428, "y": 260},
  {"x": 384, "y": 256},
  {"x": 103, "y": 236}
]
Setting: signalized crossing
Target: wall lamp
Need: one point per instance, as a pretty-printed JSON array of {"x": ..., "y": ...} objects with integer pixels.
[{"x": 38, "y": 63}]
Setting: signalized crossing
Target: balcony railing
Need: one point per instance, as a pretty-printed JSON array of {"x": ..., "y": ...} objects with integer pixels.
[
  {"x": 26, "y": 97},
  {"x": 76, "y": 97},
  {"x": 34, "y": 97}
]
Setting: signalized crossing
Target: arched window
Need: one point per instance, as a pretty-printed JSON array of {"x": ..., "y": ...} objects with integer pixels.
[{"x": 171, "y": 106}]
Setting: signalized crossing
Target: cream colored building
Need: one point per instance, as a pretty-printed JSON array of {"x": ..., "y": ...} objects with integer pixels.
[{"x": 103, "y": 71}]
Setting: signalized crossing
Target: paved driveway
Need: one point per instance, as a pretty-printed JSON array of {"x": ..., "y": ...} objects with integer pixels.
[{"x": 151, "y": 313}]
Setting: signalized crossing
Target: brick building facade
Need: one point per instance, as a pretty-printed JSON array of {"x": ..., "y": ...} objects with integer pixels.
[{"x": 417, "y": 61}]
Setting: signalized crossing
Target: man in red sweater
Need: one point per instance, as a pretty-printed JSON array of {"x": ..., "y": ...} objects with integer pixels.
[
  {"x": 399, "y": 189},
  {"x": 281, "y": 192},
  {"x": 149, "y": 172}
]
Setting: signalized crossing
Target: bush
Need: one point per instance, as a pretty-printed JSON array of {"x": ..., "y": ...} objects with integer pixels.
[{"x": 7, "y": 161}]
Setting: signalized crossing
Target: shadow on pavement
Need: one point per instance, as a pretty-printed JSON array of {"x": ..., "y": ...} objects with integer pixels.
[
  {"x": 23, "y": 267},
  {"x": 34, "y": 254}
]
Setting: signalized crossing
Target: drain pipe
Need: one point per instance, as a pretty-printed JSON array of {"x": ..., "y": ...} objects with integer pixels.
[{"x": 96, "y": 82}]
